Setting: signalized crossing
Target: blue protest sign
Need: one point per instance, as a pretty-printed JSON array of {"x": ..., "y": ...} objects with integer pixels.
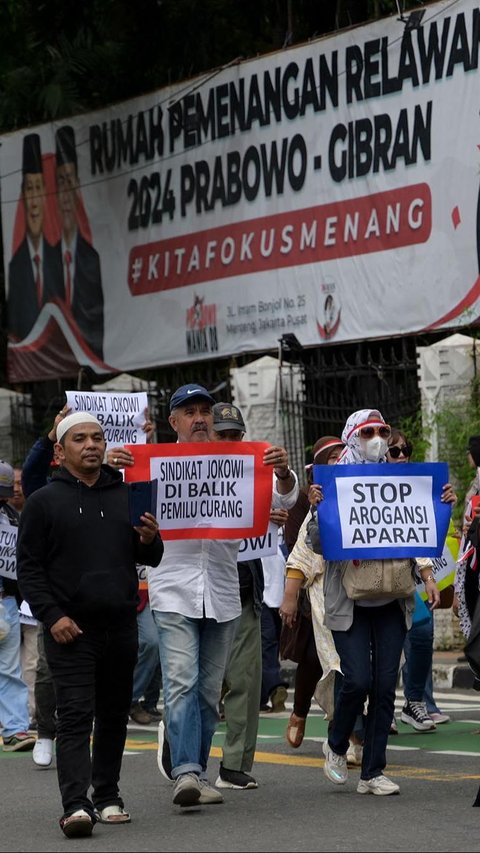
[{"x": 380, "y": 511}]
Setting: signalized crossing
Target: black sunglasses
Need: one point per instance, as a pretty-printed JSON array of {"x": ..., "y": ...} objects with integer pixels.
[{"x": 395, "y": 452}]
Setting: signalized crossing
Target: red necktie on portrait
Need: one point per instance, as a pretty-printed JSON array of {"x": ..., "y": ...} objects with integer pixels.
[
  {"x": 38, "y": 280},
  {"x": 68, "y": 276}
]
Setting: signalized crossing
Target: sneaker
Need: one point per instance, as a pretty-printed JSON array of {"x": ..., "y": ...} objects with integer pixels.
[
  {"x": 164, "y": 759},
  {"x": 439, "y": 718},
  {"x": 209, "y": 795},
  {"x": 278, "y": 698},
  {"x": 139, "y": 715},
  {"x": 379, "y": 785},
  {"x": 188, "y": 790},
  {"x": 393, "y": 727},
  {"x": 235, "y": 779},
  {"x": 20, "y": 742},
  {"x": 415, "y": 715},
  {"x": 335, "y": 766},
  {"x": 43, "y": 753},
  {"x": 354, "y": 754},
  {"x": 77, "y": 825}
]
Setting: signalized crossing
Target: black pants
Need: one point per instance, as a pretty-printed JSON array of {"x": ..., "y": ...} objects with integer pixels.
[{"x": 93, "y": 679}]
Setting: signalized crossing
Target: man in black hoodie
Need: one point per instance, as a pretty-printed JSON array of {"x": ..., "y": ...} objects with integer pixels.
[{"x": 76, "y": 557}]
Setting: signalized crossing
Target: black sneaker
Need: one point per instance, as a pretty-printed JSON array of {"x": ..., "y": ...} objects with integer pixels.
[
  {"x": 415, "y": 715},
  {"x": 235, "y": 779},
  {"x": 164, "y": 759}
]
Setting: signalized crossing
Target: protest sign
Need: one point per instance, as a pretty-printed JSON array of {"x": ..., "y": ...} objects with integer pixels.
[
  {"x": 252, "y": 548},
  {"x": 8, "y": 548},
  {"x": 379, "y": 511},
  {"x": 211, "y": 490},
  {"x": 121, "y": 415},
  {"x": 443, "y": 567}
]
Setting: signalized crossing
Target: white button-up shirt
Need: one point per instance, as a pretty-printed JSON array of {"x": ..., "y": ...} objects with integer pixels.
[{"x": 199, "y": 577}]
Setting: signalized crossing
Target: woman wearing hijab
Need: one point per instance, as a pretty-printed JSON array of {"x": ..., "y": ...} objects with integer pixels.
[
  {"x": 303, "y": 638},
  {"x": 368, "y": 635}
]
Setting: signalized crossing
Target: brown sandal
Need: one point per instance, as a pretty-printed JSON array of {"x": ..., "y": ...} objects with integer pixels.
[
  {"x": 295, "y": 730},
  {"x": 112, "y": 814},
  {"x": 77, "y": 825}
]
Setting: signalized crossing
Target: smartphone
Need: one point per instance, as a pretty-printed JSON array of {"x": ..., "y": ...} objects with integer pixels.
[{"x": 142, "y": 498}]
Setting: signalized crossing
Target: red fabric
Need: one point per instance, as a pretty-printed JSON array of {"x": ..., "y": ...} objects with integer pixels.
[{"x": 143, "y": 599}]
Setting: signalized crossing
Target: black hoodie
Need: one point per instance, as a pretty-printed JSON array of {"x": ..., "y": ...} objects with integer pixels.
[{"x": 76, "y": 551}]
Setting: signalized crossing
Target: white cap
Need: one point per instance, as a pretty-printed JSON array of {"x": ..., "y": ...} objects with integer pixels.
[{"x": 72, "y": 420}]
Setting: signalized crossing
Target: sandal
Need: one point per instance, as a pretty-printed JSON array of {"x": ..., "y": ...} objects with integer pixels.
[
  {"x": 295, "y": 730},
  {"x": 77, "y": 825},
  {"x": 112, "y": 814}
]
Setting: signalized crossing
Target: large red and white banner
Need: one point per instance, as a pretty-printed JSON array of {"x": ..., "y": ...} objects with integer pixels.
[{"x": 330, "y": 190}]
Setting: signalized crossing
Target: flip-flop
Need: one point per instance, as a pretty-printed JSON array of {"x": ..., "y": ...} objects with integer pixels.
[{"x": 112, "y": 814}]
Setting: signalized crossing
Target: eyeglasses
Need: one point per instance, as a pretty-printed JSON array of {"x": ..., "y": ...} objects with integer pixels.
[
  {"x": 405, "y": 449},
  {"x": 370, "y": 431}
]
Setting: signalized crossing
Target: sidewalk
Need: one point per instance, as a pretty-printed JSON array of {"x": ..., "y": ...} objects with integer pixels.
[{"x": 448, "y": 671}]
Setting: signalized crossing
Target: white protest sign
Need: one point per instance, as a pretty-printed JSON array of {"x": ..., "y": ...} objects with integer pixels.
[
  {"x": 205, "y": 491},
  {"x": 122, "y": 415},
  {"x": 254, "y": 547},
  {"x": 377, "y": 513},
  {"x": 8, "y": 548}
]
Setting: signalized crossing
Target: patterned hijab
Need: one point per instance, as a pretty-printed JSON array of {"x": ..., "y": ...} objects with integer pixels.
[{"x": 353, "y": 453}]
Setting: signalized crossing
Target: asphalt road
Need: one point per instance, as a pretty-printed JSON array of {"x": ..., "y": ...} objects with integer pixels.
[{"x": 294, "y": 808}]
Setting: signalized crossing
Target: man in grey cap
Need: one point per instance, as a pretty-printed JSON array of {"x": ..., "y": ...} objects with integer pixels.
[
  {"x": 35, "y": 273},
  {"x": 13, "y": 691},
  {"x": 76, "y": 564},
  {"x": 195, "y": 600}
]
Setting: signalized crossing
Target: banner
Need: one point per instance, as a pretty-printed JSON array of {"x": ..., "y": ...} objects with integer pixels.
[
  {"x": 8, "y": 551},
  {"x": 122, "y": 415},
  {"x": 329, "y": 190},
  {"x": 211, "y": 490},
  {"x": 379, "y": 511},
  {"x": 260, "y": 546}
]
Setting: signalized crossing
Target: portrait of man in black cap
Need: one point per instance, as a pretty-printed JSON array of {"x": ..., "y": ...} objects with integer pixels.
[
  {"x": 80, "y": 261},
  {"x": 35, "y": 274}
]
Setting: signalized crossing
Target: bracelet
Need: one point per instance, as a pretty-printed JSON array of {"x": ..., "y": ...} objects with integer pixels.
[
  {"x": 285, "y": 476},
  {"x": 428, "y": 578}
]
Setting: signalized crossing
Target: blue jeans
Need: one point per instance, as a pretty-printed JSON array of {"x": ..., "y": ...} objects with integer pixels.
[
  {"x": 369, "y": 654},
  {"x": 148, "y": 659},
  {"x": 13, "y": 691},
  {"x": 193, "y": 657},
  {"x": 418, "y": 649}
]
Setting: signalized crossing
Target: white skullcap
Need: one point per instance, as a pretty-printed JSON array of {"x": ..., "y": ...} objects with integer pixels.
[{"x": 72, "y": 420}]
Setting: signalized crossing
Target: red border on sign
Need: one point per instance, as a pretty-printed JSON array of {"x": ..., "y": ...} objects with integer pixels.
[{"x": 262, "y": 493}]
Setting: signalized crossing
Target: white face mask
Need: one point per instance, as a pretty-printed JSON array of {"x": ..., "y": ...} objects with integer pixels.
[{"x": 375, "y": 448}]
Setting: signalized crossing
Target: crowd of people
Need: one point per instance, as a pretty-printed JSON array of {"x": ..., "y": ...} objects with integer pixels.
[{"x": 86, "y": 646}]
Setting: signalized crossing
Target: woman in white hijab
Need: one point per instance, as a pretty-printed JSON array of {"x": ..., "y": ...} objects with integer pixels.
[{"x": 368, "y": 636}]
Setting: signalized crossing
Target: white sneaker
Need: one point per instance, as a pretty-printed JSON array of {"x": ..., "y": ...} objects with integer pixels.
[
  {"x": 335, "y": 766},
  {"x": 209, "y": 795},
  {"x": 355, "y": 754},
  {"x": 438, "y": 717},
  {"x": 379, "y": 785},
  {"x": 43, "y": 753}
]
